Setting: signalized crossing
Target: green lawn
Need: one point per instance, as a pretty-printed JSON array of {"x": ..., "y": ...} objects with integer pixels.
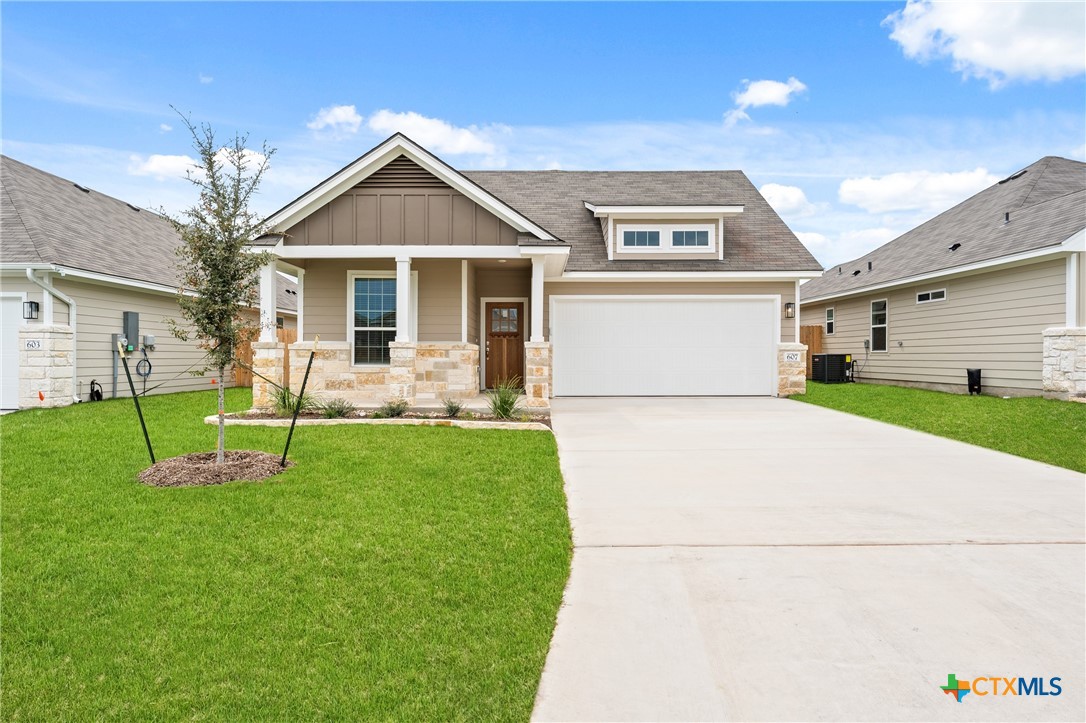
[
  {"x": 1041, "y": 429},
  {"x": 403, "y": 573}
]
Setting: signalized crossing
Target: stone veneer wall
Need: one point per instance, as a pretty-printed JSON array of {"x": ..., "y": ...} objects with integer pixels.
[
  {"x": 537, "y": 374},
  {"x": 417, "y": 372},
  {"x": 446, "y": 371},
  {"x": 1063, "y": 367},
  {"x": 46, "y": 369},
  {"x": 791, "y": 373}
]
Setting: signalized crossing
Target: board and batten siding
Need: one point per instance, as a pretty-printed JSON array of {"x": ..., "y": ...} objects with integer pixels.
[
  {"x": 402, "y": 204},
  {"x": 991, "y": 321},
  {"x": 785, "y": 289},
  {"x": 438, "y": 295}
]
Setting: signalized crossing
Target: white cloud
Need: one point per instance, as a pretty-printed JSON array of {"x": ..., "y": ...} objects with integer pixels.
[
  {"x": 164, "y": 127},
  {"x": 913, "y": 190},
  {"x": 433, "y": 133},
  {"x": 812, "y": 240},
  {"x": 161, "y": 166},
  {"x": 787, "y": 200},
  {"x": 996, "y": 41},
  {"x": 758, "y": 93},
  {"x": 205, "y": 79},
  {"x": 339, "y": 121}
]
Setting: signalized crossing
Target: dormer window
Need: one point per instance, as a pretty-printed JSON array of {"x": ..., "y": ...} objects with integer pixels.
[{"x": 670, "y": 237}]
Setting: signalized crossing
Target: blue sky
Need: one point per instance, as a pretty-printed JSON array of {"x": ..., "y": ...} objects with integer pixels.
[{"x": 857, "y": 120}]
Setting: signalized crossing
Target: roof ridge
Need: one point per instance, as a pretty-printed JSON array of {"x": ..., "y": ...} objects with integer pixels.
[
  {"x": 1052, "y": 198},
  {"x": 37, "y": 236},
  {"x": 1047, "y": 161}
]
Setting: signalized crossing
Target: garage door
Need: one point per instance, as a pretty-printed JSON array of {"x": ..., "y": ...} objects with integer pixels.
[
  {"x": 664, "y": 346},
  {"x": 11, "y": 308}
]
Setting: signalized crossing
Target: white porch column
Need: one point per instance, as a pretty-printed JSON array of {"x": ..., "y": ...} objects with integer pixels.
[
  {"x": 537, "y": 298},
  {"x": 298, "y": 299},
  {"x": 403, "y": 298},
  {"x": 267, "y": 302}
]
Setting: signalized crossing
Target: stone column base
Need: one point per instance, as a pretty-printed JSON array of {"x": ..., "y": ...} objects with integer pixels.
[
  {"x": 791, "y": 369},
  {"x": 267, "y": 362},
  {"x": 1063, "y": 364},
  {"x": 45, "y": 370},
  {"x": 537, "y": 374},
  {"x": 401, "y": 373}
]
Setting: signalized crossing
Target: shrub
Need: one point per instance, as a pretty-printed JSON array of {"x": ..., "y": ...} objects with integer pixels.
[
  {"x": 286, "y": 400},
  {"x": 391, "y": 408},
  {"x": 336, "y": 409},
  {"x": 453, "y": 408},
  {"x": 504, "y": 398}
]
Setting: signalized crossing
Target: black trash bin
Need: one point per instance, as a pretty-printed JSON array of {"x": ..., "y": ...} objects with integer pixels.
[{"x": 973, "y": 376}]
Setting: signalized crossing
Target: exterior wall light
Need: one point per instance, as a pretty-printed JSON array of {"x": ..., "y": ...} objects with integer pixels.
[
  {"x": 789, "y": 310},
  {"x": 30, "y": 310}
]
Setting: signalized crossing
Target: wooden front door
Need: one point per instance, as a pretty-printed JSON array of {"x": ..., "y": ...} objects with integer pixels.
[{"x": 504, "y": 341}]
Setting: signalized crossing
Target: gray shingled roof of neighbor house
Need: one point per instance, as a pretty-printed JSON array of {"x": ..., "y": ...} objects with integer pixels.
[
  {"x": 755, "y": 240},
  {"x": 1046, "y": 203},
  {"x": 45, "y": 219}
]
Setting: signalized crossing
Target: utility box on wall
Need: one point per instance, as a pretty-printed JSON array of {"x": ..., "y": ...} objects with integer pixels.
[{"x": 130, "y": 328}]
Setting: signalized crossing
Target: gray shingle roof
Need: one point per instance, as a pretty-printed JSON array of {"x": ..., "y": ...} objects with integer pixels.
[
  {"x": 47, "y": 219},
  {"x": 755, "y": 240},
  {"x": 1046, "y": 203}
]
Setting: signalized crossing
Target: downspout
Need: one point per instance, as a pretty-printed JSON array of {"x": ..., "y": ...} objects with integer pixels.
[{"x": 48, "y": 288}]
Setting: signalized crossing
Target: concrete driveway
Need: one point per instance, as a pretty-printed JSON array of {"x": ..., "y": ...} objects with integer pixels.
[{"x": 764, "y": 559}]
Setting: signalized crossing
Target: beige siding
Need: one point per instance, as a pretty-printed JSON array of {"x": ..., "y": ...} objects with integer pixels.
[
  {"x": 504, "y": 283},
  {"x": 662, "y": 253},
  {"x": 991, "y": 321},
  {"x": 100, "y": 310},
  {"x": 785, "y": 289},
  {"x": 18, "y": 284},
  {"x": 438, "y": 295}
]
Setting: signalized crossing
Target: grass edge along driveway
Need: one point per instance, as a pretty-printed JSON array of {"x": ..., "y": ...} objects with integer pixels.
[
  {"x": 1044, "y": 430},
  {"x": 394, "y": 573}
]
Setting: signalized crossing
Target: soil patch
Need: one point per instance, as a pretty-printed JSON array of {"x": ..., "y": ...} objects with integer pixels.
[{"x": 197, "y": 470}]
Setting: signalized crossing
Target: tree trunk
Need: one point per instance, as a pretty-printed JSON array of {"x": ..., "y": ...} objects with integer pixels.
[{"x": 220, "y": 457}]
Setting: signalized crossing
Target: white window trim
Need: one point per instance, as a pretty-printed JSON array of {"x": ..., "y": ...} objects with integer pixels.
[
  {"x": 665, "y": 230},
  {"x": 389, "y": 274},
  {"x": 930, "y": 300},
  {"x": 833, "y": 310},
  {"x": 872, "y": 327}
]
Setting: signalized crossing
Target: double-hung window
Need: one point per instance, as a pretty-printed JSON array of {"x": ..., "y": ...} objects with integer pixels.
[
  {"x": 374, "y": 322},
  {"x": 829, "y": 321},
  {"x": 878, "y": 325}
]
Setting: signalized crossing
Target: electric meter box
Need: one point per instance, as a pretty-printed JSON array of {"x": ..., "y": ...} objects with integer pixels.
[{"x": 131, "y": 329}]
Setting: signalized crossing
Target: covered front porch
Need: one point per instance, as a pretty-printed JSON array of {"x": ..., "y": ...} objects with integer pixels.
[{"x": 420, "y": 328}]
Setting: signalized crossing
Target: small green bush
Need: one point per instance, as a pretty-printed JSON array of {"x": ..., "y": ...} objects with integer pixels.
[
  {"x": 285, "y": 401},
  {"x": 336, "y": 409},
  {"x": 504, "y": 398},
  {"x": 453, "y": 408},
  {"x": 391, "y": 408}
]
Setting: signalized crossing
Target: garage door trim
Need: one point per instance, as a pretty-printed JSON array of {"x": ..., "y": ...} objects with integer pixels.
[{"x": 776, "y": 320}]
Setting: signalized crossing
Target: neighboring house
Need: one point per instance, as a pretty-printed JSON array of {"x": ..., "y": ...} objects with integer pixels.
[
  {"x": 65, "y": 247},
  {"x": 995, "y": 283},
  {"x": 424, "y": 282}
]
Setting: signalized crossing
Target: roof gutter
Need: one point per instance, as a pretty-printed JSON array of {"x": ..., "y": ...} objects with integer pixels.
[{"x": 72, "y": 318}]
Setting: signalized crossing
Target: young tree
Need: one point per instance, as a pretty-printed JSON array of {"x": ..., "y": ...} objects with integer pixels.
[{"x": 216, "y": 270}]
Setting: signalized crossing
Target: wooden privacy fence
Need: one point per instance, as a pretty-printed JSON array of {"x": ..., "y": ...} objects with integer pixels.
[
  {"x": 244, "y": 377},
  {"x": 812, "y": 337}
]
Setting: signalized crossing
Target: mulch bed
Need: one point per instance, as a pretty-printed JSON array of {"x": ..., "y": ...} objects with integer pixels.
[
  {"x": 368, "y": 414},
  {"x": 200, "y": 469}
]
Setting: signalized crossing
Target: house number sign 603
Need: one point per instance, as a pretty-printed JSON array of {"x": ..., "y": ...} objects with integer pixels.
[
  {"x": 31, "y": 344},
  {"x": 791, "y": 356}
]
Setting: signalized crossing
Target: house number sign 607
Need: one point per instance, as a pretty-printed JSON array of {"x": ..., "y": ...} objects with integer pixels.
[{"x": 791, "y": 356}]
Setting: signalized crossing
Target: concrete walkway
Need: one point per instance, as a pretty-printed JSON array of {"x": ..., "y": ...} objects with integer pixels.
[{"x": 764, "y": 559}]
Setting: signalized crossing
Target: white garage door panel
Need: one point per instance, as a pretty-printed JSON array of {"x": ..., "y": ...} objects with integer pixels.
[
  {"x": 663, "y": 346},
  {"x": 12, "y": 310}
]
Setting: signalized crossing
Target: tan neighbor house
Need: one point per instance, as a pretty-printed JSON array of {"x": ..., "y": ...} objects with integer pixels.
[
  {"x": 996, "y": 283},
  {"x": 63, "y": 247},
  {"x": 424, "y": 283}
]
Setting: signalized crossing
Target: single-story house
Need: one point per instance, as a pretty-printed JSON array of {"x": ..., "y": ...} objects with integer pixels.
[
  {"x": 997, "y": 283},
  {"x": 423, "y": 282},
  {"x": 74, "y": 264}
]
